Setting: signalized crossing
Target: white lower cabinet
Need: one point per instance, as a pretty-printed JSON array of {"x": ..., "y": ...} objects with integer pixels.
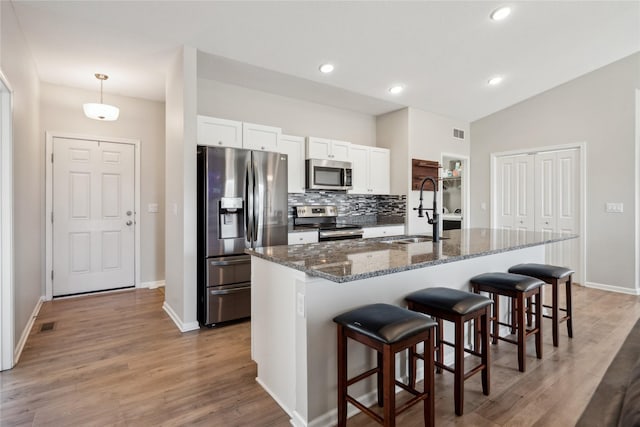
[
  {"x": 390, "y": 230},
  {"x": 300, "y": 238}
]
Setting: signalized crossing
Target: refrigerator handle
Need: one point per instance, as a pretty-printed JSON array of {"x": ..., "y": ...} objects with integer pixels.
[
  {"x": 249, "y": 202},
  {"x": 255, "y": 213}
]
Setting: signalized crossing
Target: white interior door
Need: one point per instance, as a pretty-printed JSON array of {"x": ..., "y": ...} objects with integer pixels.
[
  {"x": 93, "y": 216},
  {"x": 515, "y": 194},
  {"x": 557, "y": 204}
]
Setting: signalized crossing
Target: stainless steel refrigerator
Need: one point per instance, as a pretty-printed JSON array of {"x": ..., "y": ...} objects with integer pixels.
[{"x": 242, "y": 203}]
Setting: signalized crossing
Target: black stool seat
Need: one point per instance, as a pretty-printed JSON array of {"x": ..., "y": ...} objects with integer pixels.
[
  {"x": 450, "y": 300},
  {"x": 385, "y": 323},
  {"x": 541, "y": 270},
  {"x": 508, "y": 281}
]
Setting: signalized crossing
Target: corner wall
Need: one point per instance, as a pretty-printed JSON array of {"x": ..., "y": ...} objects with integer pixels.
[
  {"x": 599, "y": 109},
  {"x": 28, "y": 170}
]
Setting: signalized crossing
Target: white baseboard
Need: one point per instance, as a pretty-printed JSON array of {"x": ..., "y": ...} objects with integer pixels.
[
  {"x": 184, "y": 327},
  {"x": 275, "y": 397},
  {"x": 27, "y": 330},
  {"x": 152, "y": 285},
  {"x": 619, "y": 289}
]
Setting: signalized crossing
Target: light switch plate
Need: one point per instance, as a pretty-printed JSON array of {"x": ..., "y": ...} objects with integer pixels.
[
  {"x": 614, "y": 207},
  {"x": 300, "y": 304}
]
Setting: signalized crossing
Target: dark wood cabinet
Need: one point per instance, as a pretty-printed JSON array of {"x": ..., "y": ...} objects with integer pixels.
[{"x": 420, "y": 169}]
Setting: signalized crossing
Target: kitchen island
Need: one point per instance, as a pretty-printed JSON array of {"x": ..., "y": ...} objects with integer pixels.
[{"x": 297, "y": 290}]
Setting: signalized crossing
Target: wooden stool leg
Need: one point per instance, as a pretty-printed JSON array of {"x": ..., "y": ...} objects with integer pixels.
[
  {"x": 538, "y": 299},
  {"x": 496, "y": 315},
  {"x": 389, "y": 385},
  {"x": 529, "y": 311},
  {"x": 569, "y": 309},
  {"x": 458, "y": 380},
  {"x": 380, "y": 380},
  {"x": 484, "y": 322},
  {"x": 521, "y": 326},
  {"x": 513, "y": 316},
  {"x": 429, "y": 403},
  {"x": 342, "y": 377},
  {"x": 440, "y": 345},
  {"x": 554, "y": 311},
  {"x": 413, "y": 365}
]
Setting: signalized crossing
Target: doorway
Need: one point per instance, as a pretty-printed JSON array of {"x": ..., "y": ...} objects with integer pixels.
[
  {"x": 455, "y": 194},
  {"x": 92, "y": 201},
  {"x": 7, "y": 333},
  {"x": 543, "y": 190}
]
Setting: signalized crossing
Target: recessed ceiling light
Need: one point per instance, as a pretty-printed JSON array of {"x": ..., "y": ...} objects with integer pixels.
[
  {"x": 493, "y": 81},
  {"x": 326, "y": 68},
  {"x": 396, "y": 89},
  {"x": 500, "y": 13}
]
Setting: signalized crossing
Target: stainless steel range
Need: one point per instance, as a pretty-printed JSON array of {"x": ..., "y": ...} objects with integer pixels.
[{"x": 324, "y": 219}]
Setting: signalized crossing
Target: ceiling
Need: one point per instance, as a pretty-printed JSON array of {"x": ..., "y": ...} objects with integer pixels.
[{"x": 442, "y": 52}]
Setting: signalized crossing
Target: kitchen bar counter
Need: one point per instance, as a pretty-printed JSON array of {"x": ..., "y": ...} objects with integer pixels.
[
  {"x": 296, "y": 291},
  {"x": 349, "y": 260}
]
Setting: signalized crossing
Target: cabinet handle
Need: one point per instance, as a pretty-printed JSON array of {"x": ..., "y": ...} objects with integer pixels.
[
  {"x": 546, "y": 222},
  {"x": 521, "y": 222},
  {"x": 219, "y": 142},
  {"x": 262, "y": 148}
]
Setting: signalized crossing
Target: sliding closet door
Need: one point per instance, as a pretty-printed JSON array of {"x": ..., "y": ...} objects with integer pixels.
[{"x": 515, "y": 195}]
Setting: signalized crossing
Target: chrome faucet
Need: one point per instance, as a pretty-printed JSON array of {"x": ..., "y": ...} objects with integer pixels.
[{"x": 422, "y": 210}]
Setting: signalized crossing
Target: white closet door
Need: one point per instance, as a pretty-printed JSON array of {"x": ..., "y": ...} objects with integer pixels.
[
  {"x": 516, "y": 194},
  {"x": 505, "y": 201}
]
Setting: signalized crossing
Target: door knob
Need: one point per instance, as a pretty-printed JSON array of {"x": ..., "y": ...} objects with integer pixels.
[
  {"x": 129, "y": 222},
  {"x": 129, "y": 213}
]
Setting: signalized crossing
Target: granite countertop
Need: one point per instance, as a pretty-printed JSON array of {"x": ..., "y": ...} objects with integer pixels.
[{"x": 349, "y": 260}]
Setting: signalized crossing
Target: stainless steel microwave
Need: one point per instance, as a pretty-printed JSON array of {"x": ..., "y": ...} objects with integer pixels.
[{"x": 328, "y": 175}]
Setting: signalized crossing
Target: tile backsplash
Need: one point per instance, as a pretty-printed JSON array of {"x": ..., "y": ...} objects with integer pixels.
[{"x": 355, "y": 206}]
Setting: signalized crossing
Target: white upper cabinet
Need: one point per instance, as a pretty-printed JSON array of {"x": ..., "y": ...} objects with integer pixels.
[
  {"x": 260, "y": 137},
  {"x": 219, "y": 132},
  {"x": 328, "y": 149},
  {"x": 371, "y": 170},
  {"x": 293, "y": 147}
]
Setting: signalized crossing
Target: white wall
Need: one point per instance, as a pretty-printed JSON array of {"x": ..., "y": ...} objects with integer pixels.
[
  {"x": 28, "y": 169},
  {"x": 180, "y": 190},
  {"x": 61, "y": 111},
  {"x": 599, "y": 109},
  {"x": 294, "y": 116},
  {"x": 431, "y": 135},
  {"x": 392, "y": 132}
]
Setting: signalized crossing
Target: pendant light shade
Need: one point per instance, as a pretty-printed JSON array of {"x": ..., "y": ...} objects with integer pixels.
[{"x": 101, "y": 111}]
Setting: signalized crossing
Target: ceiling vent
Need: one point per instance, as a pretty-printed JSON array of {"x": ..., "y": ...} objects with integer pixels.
[{"x": 458, "y": 133}]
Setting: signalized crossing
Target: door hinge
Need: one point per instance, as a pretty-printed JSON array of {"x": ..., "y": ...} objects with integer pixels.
[
  {"x": 51, "y": 157},
  {"x": 51, "y": 217},
  {"x": 51, "y": 274}
]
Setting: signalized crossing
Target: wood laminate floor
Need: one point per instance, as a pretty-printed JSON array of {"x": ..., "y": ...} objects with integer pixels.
[{"x": 117, "y": 359}]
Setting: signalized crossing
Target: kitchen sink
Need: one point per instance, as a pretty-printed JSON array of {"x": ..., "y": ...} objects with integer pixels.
[{"x": 409, "y": 240}]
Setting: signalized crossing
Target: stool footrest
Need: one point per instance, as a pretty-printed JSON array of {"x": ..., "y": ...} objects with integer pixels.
[
  {"x": 364, "y": 409},
  {"x": 362, "y": 376}
]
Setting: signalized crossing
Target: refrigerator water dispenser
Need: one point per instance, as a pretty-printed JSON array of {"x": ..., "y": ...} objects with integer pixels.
[{"x": 231, "y": 218}]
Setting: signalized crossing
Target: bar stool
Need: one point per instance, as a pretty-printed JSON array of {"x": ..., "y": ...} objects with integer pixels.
[
  {"x": 554, "y": 276},
  {"x": 458, "y": 307},
  {"x": 519, "y": 288},
  {"x": 388, "y": 329}
]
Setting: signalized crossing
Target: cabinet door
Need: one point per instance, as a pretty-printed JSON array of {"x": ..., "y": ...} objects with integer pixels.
[
  {"x": 260, "y": 137},
  {"x": 391, "y": 230},
  {"x": 359, "y": 158},
  {"x": 219, "y": 132},
  {"x": 340, "y": 150},
  {"x": 379, "y": 170},
  {"x": 318, "y": 148},
  {"x": 303, "y": 237},
  {"x": 293, "y": 146}
]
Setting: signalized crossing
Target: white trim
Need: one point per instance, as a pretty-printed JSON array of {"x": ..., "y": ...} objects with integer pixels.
[
  {"x": 7, "y": 298},
  {"x": 279, "y": 402},
  {"x": 152, "y": 285},
  {"x": 637, "y": 195},
  {"x": 49, "y": 136},
  {"x": 183, "y": 327},
  {"x": 582, "y": 150},
  {"x": 611, "y": 288},
  {"x": 27, "y": 330}
]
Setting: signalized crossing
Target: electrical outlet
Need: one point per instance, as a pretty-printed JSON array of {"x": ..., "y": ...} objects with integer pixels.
[
  {"x": 300, "y": 304},
  {"x": 614, "y": 207}
]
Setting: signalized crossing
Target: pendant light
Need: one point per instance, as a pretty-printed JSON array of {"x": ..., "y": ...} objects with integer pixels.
[{"x": 101, "y": 111}]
